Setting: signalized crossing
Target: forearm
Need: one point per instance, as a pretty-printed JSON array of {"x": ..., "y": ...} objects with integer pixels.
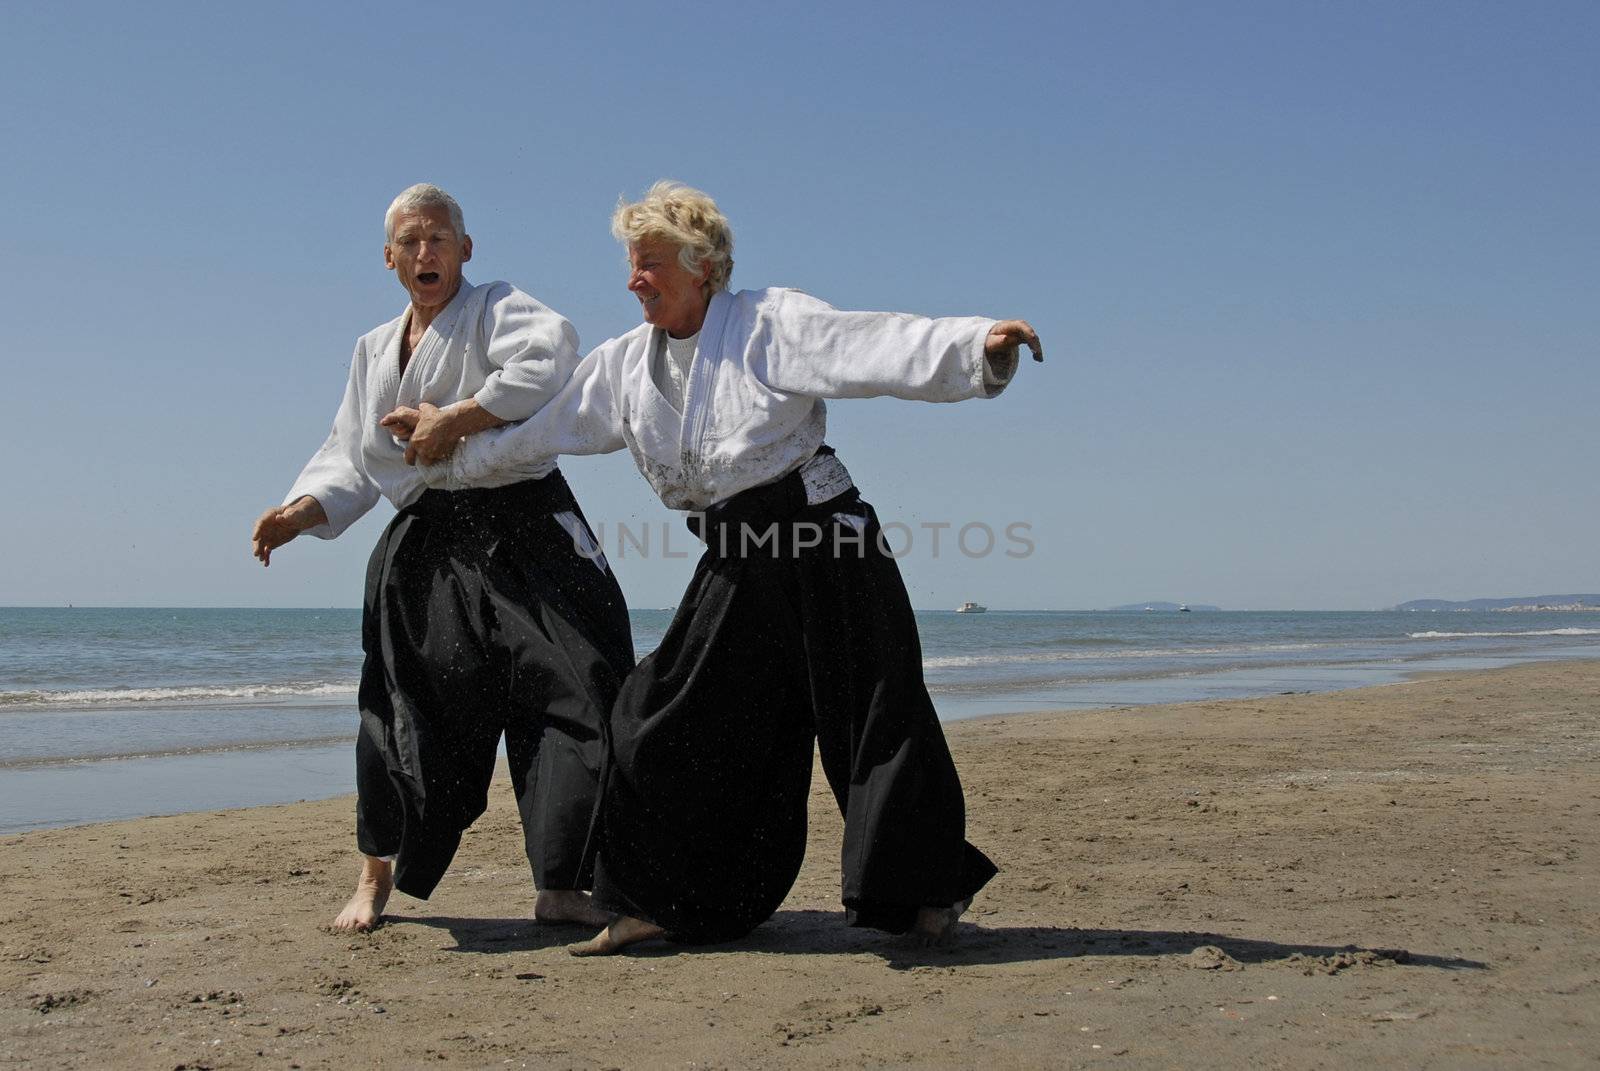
[
  {"x": 305, "y": 513},
  {"x": 467, "y": 417}
]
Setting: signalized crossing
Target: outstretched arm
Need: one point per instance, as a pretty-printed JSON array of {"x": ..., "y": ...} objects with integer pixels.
[{"x": 806, "y": 346}]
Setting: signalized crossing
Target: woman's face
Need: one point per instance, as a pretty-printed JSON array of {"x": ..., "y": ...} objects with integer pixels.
[{"x": 672, "y": 297}]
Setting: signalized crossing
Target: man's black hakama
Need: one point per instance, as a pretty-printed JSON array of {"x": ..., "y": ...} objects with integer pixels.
[
  {"x": 774, "y": 646},
  {"x": 482, "y": 616}
]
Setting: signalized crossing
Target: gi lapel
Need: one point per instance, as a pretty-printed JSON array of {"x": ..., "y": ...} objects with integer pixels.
[
  {"x": 702, "y": 376},
  {"x": 384, "y": 375},
  {"x": 431, "y": 349}
]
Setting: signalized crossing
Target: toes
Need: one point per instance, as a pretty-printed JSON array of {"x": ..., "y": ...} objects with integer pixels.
[
  {"x": 934, "y": 928},
  {"x": 598, "y": 946}
]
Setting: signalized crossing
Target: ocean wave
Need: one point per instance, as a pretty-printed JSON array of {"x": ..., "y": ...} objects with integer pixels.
[
  {"x": 1074, "y": 641},
  {"x": 1530, "y": 632},
  {"x": 187, "y": 694},
  {"x": 968, "y": 661},
  {"x": 229, "y": 747}
]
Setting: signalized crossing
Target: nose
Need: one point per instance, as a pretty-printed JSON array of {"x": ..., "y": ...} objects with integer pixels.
[{"x": 635, "y": 279}]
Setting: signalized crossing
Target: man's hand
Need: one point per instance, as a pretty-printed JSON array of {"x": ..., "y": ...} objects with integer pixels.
[
  {"x": 431, "y": 433},
  {"x": 1007, "y": 335},
  {"x": 401, "y": 422},
  {"x": 280, "y": 524}
]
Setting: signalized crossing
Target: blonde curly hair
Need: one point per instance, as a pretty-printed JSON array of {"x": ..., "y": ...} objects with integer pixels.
[{"x": 687, "y": 218}]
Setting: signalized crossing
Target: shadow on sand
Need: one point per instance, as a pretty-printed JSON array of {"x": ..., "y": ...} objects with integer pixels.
[
  {"x": 498, "y": 935},
  {"x": 824, "y": 932}
]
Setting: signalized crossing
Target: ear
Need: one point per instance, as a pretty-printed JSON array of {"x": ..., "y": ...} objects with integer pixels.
[
  {"x": 466, "y": 249},
  {"x": 388, "y": 257}
]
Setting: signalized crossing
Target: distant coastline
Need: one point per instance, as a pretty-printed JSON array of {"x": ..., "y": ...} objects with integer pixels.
[{"x": 1522, "y": 604}]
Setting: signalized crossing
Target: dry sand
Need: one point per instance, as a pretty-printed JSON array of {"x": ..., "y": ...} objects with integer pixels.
[{"x": 1394, "y": 876}]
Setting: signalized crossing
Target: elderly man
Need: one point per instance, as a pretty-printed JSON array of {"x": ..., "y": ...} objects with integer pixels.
[
  {"x": 796, "y": 626},
  {"x": 486, "y": 609}
]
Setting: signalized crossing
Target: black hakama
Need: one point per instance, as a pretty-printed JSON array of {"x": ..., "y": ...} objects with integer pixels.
[
  {"x": 483, "y": 617},
  {"x": 773, "y": 647}
]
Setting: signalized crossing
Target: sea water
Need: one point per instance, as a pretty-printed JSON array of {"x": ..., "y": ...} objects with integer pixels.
[{"x": 112, "y": 713}]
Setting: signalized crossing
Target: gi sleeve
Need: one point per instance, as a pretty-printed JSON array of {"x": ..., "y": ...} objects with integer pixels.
[
  {"x": 805, "y": 346},
  {"x": 335, "y": 476},
  {"x": 585, "y": 417},
  {"x": 531, "y": 349}
]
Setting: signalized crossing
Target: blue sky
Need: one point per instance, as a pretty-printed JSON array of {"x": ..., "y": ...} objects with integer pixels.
[{"x": 1317, "y": 281}]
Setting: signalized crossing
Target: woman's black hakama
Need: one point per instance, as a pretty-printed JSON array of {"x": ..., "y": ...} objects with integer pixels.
[{"x": 773, "y": 647}]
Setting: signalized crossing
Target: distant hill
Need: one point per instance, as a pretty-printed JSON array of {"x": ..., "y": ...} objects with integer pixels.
[
  {"x": 1526, "y": 602},
  {"x": 1170, "y": 606}
]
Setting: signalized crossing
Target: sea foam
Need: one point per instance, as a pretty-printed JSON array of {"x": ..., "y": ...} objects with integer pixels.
[
  {"x": 191, "y": 694},
  {"x": 1529, "y": 632}
]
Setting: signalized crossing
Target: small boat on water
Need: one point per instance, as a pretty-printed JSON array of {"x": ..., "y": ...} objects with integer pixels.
[
  {"x": 1184, "y": 609},
  {"x": 971, "y": 608}
]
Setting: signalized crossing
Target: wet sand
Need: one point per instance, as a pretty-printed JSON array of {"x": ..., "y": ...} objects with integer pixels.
[{"x": 1399, "y": 876}]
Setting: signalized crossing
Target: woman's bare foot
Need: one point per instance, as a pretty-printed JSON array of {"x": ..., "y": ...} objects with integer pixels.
[
  {"x": 569, "y": 905},
  {"x": 625, "y": 931},
  {"x": 936, "y": 926},
  {"x": 373, "y": 887}
]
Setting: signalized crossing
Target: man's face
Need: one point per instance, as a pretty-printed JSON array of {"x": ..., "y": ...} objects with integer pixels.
[
  {"x": 669, "y": 294},
  {"x": 426, "y": 255}
]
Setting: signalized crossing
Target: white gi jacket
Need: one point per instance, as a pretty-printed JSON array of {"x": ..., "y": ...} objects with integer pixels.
[
  {"x": 752, "y": 410},
  {"x": 491, "y": 342}
]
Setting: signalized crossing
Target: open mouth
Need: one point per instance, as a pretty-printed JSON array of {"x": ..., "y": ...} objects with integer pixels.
[{"x": 427, "y": 278}]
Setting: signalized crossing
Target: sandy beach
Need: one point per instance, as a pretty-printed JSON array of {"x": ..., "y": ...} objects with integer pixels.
[{"x": 1396, "y": 876}]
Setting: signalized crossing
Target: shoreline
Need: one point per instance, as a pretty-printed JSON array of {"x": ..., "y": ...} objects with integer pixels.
[
  {"x": 53, "y": 792},
  {"x": 1398, "y": 876}
]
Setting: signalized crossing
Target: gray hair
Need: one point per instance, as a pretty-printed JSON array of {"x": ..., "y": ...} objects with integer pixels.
[
  {"x": 687, "y": 218},
  {"x": 423, "y": 195}
]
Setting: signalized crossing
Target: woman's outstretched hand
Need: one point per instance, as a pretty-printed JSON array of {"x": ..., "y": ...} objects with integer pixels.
[{"x": 1007, "y": 335}]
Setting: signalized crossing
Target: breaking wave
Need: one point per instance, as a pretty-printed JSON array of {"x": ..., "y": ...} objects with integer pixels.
[
  {"x": 200, "y": 693},
  {"x": 987, "y": 659},
  {"x": 1530, "y": 632}
]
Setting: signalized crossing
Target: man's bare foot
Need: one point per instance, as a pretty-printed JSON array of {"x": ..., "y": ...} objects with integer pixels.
[
  {"x": 936, "y": 926},
  {"x": 373, "y": 887},
  {"x": 625, "y": 931},
  {"x": 569, "y": 905}
]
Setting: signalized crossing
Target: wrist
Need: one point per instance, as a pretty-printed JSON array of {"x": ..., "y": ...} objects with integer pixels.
[
  {"x": 305, "y": 512},
  {"x": 468, "y": 417}
]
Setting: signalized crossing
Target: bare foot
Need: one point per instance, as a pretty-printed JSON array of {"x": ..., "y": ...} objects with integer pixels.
[
  {"x": 373, "y": 887},
  {"x": 569, "y": 905},
  {"x": 625, "y": 931},
  {"x": 936, "y": 926}
]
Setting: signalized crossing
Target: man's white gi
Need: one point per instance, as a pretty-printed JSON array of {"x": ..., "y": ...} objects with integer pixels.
[{"x": 491, "y": 342}]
